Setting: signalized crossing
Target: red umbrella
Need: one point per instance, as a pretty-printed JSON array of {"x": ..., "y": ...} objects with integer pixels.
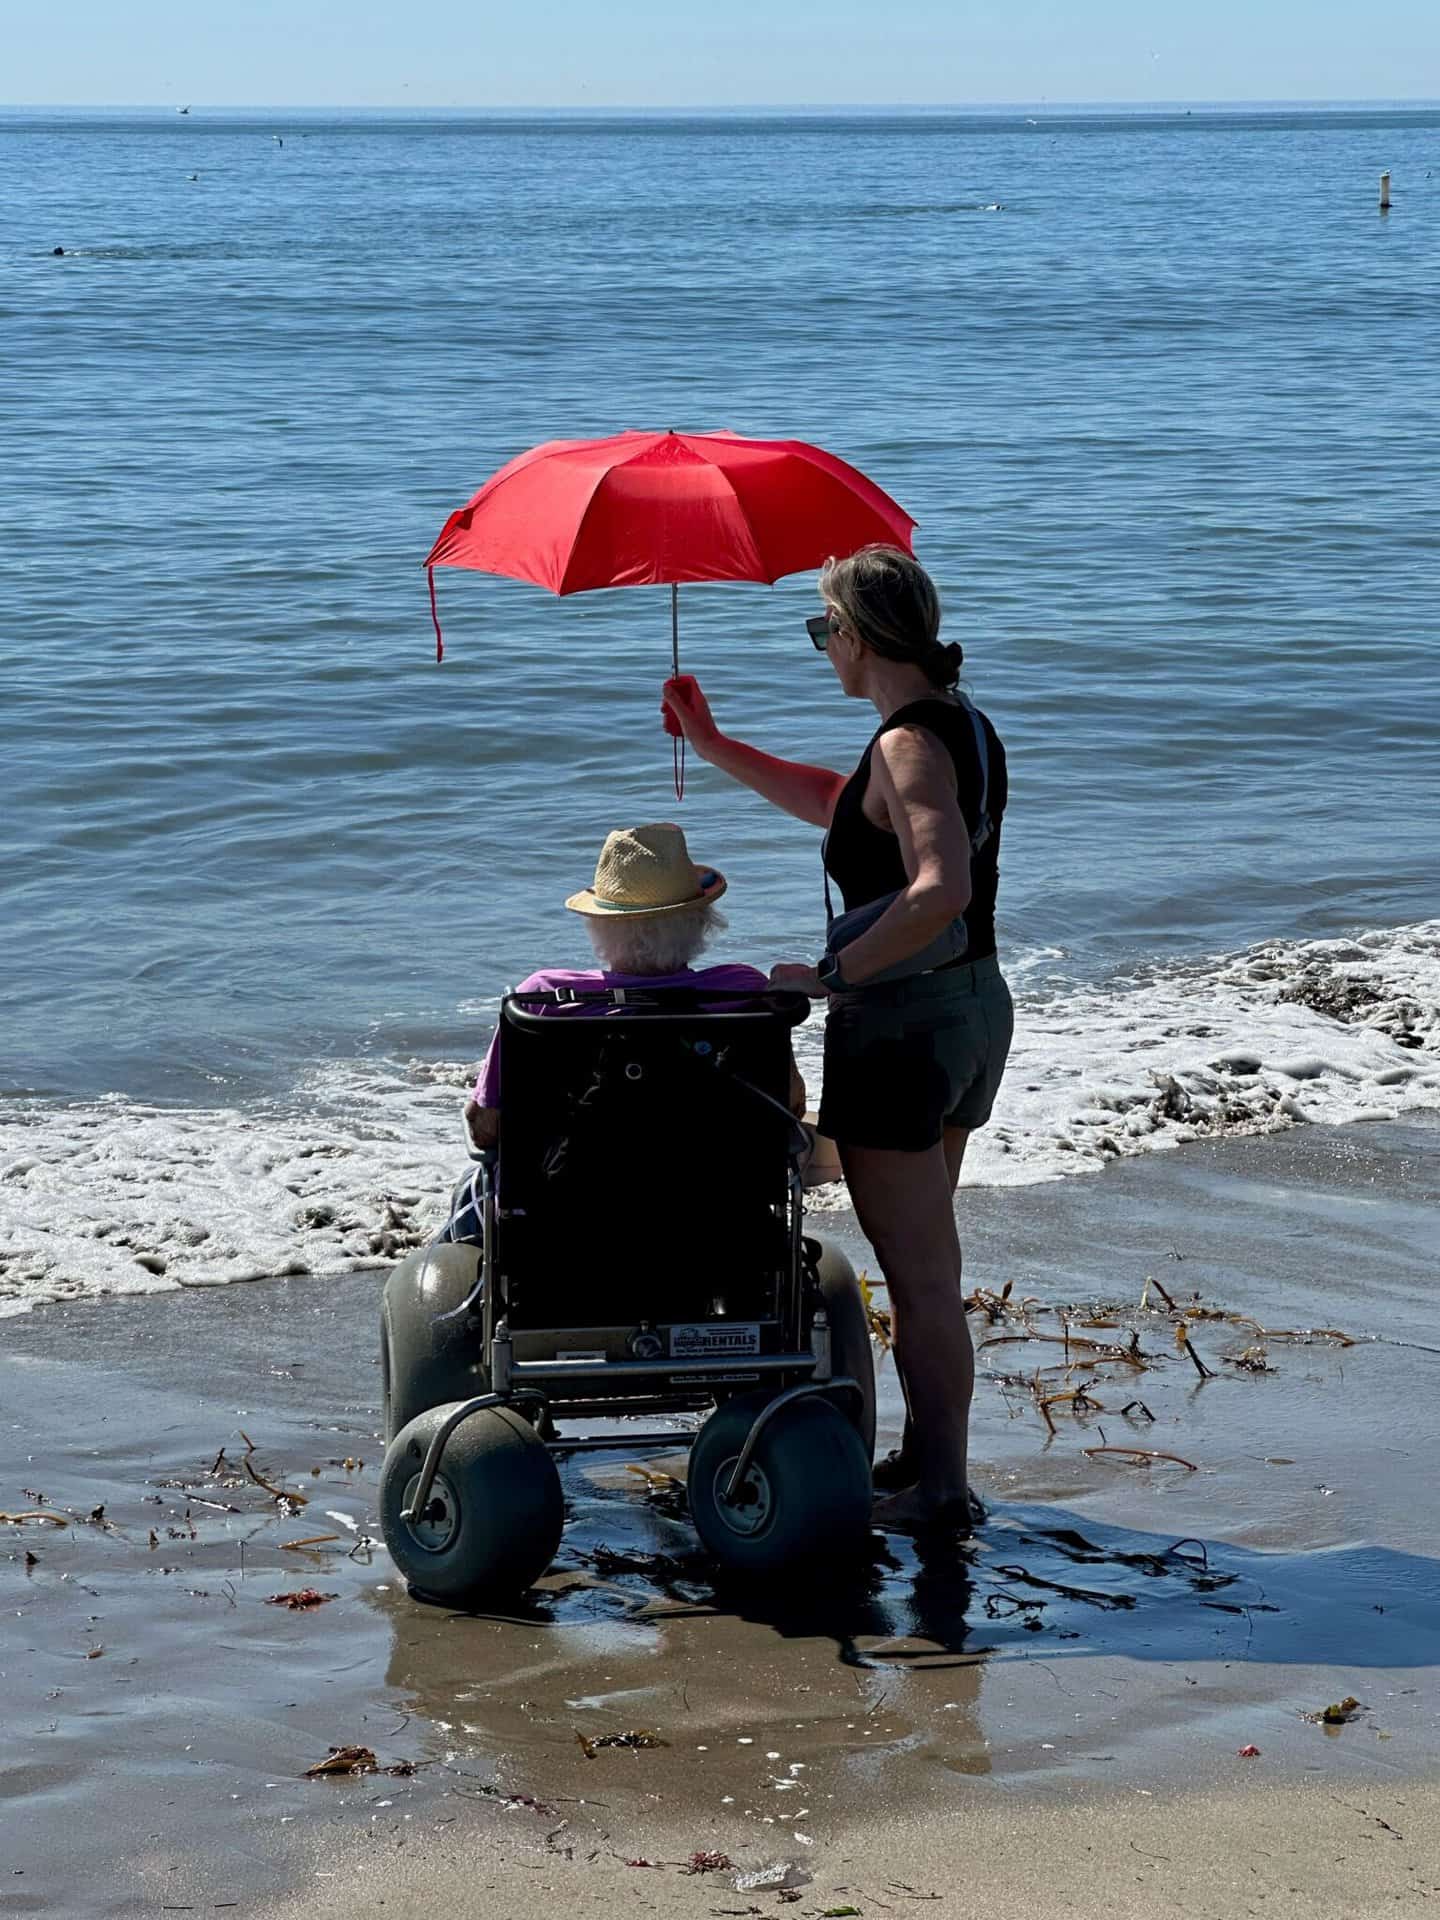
[{"x": 645, "y": 509}]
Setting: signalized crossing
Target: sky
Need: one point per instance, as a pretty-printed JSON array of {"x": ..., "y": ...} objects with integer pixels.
[{"x": 716, "y": 53}]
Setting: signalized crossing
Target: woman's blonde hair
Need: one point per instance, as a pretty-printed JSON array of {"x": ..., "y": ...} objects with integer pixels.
[{"x": 888, "y": 601}]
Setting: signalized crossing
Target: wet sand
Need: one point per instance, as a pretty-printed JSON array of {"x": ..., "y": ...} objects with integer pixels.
[{"x": 1051, "y": 1717}]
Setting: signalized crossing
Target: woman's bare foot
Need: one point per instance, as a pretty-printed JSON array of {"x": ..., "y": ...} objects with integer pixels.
[{"x": 911, "y": 1512}]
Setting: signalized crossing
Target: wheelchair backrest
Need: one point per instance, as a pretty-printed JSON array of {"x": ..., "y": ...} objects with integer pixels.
[{"x": 645, "y": 1153}]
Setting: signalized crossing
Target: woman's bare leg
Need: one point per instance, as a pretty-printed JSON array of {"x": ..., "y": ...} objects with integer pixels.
[
  {"x": 956, "y": 1139},
  {"x": 904, "y": 1205}
]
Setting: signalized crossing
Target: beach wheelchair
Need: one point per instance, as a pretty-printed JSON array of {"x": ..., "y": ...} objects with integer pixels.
[{"x": 643, "y": 1254}]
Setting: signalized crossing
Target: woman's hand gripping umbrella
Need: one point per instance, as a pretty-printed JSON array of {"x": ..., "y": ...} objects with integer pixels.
[{"x": 664, "y": 509}]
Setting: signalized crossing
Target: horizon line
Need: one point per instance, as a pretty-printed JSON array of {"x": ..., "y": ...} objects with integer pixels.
[{"x": 1354, "y": 103}]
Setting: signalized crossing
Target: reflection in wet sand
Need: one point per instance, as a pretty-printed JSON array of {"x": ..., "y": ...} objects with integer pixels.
[
  {"x": 786, "y": 1711},
  {"x": 815, "y": 1704}
]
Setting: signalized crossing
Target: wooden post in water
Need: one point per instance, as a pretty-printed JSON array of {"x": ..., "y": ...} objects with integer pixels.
[{"x": 1385, "y": 191}]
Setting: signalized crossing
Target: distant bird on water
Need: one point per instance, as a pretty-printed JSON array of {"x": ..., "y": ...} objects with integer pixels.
[
  {"x": 182, "y": 109},
  {"x": 276, "y": 138}
]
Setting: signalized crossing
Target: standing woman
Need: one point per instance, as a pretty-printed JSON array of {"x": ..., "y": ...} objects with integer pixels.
[{"x": 916, "y": 1040}]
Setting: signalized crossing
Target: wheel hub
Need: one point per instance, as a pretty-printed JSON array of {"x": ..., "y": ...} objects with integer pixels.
[
  {"x": 437, "y": 1526},
  {"x": 750, "y": 1510}
]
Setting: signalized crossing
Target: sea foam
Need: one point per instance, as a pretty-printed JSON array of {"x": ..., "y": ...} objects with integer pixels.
[{"x": 354, "y": 1165}]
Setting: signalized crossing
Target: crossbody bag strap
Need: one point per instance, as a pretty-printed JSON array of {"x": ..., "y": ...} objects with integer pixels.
[{"x": 984, "y": 827}]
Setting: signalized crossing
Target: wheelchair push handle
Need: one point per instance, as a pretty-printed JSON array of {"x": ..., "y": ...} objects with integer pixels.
[{"x": 664, "y": 1006}]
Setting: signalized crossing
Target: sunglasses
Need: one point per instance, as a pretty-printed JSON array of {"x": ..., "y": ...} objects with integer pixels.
[{"x": 820, "y": 626}]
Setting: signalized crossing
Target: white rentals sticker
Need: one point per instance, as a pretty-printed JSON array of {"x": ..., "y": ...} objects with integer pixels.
[{"x": 714, "y": 1340}]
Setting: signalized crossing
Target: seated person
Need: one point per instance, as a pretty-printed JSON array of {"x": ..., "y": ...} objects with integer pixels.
[{"x": 650, "y": 913}]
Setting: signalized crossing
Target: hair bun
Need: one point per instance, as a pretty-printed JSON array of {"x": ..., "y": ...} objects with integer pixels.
[{"x": 944, "y": 664}]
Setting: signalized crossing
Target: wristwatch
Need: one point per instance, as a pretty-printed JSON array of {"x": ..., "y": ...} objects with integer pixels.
[{"x": 827, "y": 972}]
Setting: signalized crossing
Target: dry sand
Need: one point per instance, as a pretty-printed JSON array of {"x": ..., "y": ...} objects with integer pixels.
[
  {"x": 1048, "y": 1722},
  {"x": 1288, "y": 1853}
]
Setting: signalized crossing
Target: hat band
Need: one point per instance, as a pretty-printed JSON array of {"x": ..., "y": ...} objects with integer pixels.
[{"x": 707, "y": 881}]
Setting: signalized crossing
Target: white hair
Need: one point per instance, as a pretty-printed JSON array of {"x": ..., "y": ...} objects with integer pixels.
[{"x": 665, "y": 944}]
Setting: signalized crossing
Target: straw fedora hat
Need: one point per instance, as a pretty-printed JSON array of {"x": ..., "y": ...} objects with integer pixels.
[{"x": 647, "y": 871}]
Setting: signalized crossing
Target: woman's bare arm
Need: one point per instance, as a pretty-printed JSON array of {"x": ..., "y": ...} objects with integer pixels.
[
  {"x": 914, "y": 778},
  {"x": 808, "y": 792}
]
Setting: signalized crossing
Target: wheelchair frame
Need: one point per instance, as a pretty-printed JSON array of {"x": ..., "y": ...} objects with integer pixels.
[{"x": 557, "y": 1384}]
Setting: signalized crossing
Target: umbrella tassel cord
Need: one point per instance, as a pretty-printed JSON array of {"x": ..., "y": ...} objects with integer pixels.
[{"x": 435, "y": 617}]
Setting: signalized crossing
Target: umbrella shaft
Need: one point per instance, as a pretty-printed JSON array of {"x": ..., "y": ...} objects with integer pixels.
[{"x": 674, "y": 629}]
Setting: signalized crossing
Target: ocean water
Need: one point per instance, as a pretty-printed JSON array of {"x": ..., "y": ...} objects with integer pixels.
[{"x": 1159, "y": 388}]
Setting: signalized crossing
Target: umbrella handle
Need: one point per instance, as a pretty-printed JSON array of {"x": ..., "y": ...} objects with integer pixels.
[{"x": 677, "y": 747}]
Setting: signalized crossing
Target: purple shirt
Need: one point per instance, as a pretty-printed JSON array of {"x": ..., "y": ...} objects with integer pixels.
[{"x": 729, "y": 979}]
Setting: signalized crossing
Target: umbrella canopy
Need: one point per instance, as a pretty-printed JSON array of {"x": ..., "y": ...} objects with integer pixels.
[
  {"x": 651, "y": 509},
  {"x": 647, "y": 509}
]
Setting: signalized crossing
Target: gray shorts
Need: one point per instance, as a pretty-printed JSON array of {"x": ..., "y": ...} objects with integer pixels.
[{"x": 907, "y": 1060}]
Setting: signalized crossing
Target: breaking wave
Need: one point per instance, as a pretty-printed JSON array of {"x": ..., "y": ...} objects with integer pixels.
[{"x": 353, "y": 1166}]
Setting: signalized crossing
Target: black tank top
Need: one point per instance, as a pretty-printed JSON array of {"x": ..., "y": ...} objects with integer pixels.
[{"x": 864, "y": 860}]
